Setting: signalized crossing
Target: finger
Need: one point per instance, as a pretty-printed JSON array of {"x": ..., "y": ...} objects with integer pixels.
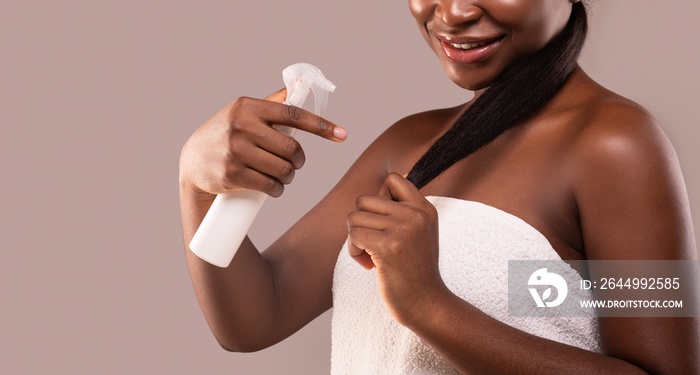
[
  {"x": 278, "y": 96},
  {"x": 281, "y": 145},
  {"x": 254, "y": 180},
  {"x": 299, "y": 118},
  {"x": 359, "y": 240},
  {"x": 271, "y": 165},
  {"x": 375, "y": 205},
  {"x": 364, "y": 260},
  {"x": 398, "y": 188},
  {"x": 367, "y": 220}
]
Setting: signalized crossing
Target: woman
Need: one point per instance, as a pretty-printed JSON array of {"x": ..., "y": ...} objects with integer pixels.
[{"x": 585, "y": 169}]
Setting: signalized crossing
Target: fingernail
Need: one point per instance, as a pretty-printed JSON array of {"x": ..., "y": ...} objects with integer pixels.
[{"x": 340, "y": 133}]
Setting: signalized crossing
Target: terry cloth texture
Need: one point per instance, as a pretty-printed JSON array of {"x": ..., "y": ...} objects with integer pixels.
[{"x": 476, "y": 242}]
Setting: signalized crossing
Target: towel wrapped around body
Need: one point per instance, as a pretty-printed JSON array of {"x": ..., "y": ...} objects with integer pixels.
[{"x": 476, "y": 242}]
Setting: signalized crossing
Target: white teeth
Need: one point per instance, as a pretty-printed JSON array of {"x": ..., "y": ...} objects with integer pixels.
[{"x": 467, "y": 45}]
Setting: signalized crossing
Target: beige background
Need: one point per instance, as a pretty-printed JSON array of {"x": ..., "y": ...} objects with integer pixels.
[{"x": 97, "y": 98}]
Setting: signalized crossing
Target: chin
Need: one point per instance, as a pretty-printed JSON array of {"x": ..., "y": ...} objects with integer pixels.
[
  {"x": 469, "y": 83},
  {"x": 473, "y": 87}
]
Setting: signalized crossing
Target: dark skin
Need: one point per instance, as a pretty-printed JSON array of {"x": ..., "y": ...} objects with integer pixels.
[{"x": 592, "y": 172}]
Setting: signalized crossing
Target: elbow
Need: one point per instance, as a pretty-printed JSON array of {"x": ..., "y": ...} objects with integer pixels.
[
  {"x": 237, "y": 348},
  {"x": 240, "y": 348},
  {"x": 243, "y": 335},
  {"x": 239, "y": 345},
  {"x": 229, "y": 346}
]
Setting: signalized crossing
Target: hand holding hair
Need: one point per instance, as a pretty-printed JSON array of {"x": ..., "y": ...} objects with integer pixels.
[{"x": 397, "y": 232}]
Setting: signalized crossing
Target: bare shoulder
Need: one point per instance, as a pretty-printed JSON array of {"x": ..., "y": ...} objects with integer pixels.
[
  {"x": 621, "y": 143},
  {"x": 627, "y": 182},
  {"x": 616, "y": 129}
]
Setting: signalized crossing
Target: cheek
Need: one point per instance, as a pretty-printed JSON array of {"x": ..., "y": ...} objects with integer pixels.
[
  {"x": 534, "y": 23},
  {"x": 421, "y": 9}
]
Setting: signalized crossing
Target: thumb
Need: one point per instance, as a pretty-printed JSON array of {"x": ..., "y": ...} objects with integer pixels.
[
  {"x": 399, "y": 189},
  {"x": 278, "y": 96}
]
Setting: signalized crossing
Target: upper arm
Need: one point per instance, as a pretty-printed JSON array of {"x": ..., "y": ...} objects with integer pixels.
[
  {"x": 630, "y": 191},
  {"x": 633, "y": 205}
]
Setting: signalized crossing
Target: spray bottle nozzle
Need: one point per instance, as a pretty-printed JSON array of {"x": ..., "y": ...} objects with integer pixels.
[{"x": 300, "y": 79}]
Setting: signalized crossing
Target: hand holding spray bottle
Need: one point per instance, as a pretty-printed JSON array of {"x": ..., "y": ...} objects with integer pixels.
[{"x": 230, "y": 216}]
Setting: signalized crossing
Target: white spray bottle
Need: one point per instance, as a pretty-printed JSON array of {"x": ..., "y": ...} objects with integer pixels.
[{"x": 230, "y": 216}]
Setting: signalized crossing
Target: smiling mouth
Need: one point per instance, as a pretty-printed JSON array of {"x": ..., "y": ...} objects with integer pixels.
[
  {"x": 468, "y": 46},
  {"x": 469, "y": 50}
]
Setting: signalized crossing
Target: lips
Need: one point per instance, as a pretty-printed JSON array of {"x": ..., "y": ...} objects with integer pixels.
[
  {"x": 467, "y": 45},
  {"x": 469, "y": 50}
]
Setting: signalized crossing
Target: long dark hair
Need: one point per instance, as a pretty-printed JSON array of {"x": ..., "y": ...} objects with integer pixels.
[{"x": 510, "y": 100}]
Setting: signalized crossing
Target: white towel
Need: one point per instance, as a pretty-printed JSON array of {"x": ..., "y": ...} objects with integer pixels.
[{"x": 476, "y": 242}]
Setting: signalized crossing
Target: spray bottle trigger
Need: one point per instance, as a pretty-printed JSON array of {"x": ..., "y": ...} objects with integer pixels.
[{"x": 307, "y": 77}]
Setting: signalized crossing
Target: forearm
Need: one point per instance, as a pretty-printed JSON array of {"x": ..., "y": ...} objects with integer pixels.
[
  {"x": 475, "y": 343},
  {"x": 239, "y": 302}
]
